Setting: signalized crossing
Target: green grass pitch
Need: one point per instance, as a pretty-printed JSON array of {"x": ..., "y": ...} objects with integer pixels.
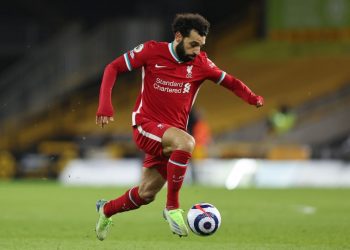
[{"x": 44, "y": 215}]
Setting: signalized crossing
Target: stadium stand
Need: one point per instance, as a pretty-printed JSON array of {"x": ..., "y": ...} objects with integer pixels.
[{"x": 62, "y": 116}]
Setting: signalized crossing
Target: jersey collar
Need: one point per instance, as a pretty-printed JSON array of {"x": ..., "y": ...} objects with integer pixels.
[{"x": 172, "y": 52}]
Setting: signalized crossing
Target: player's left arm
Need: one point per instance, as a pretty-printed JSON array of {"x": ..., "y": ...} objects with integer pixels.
[
  {"x": 240, "y": 89},
  {"x": 233, "y": 84}
]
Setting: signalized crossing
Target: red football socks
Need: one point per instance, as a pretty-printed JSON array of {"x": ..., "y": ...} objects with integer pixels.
[
  {"x": 176, "y": 170},
  {"x": 129, "y": 201}
]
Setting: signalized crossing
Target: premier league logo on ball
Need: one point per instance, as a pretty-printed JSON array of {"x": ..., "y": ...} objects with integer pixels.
[{"x": 204, "y": 219}]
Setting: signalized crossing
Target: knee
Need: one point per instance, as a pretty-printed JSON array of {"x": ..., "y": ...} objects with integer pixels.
[
  {"x": 147, "y": 196},
  {"x": 186, "y": 144}
]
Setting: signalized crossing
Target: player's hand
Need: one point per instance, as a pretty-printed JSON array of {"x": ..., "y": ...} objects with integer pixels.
[
  {"x": 103, "y": 120},
  {"x": 259, "y": 101}
]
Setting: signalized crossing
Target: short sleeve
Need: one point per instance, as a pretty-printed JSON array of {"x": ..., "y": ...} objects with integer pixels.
[
  {"x": 214, "y": 73},
  {"x": 138, "y": 56}
]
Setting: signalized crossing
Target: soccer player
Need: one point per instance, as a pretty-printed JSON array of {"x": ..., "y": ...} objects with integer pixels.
[{"x": 172, "y": 74}]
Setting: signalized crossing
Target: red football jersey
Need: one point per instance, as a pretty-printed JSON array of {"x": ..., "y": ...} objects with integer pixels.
[{"x": 169, "y": 86}]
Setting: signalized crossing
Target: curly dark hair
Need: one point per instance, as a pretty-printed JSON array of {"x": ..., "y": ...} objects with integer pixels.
[{"x": 185, "y": 22}]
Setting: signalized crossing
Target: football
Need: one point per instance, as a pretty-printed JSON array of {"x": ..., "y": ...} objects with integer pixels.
[{"x": 204, "y": 219}]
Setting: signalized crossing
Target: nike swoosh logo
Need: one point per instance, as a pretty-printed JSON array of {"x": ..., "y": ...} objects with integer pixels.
[{"x": 160, "y": 66}]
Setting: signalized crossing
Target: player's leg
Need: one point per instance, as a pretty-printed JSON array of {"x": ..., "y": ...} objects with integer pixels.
[
  {"x": 159, "y": 140},
  {"x": 151, "y": 184},
  {"x": 179, "y": 146}
]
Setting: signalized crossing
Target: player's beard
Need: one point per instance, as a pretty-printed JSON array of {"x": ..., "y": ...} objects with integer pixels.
[{"x": 181, "y": 53}]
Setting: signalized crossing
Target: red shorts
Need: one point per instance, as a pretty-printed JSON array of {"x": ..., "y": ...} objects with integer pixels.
[{"x": 148, "y": 138}]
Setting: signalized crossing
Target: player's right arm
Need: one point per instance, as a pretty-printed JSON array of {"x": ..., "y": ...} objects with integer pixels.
[
  {"x": 105, "y": 109},
  {"x": 132, "y": 59}
]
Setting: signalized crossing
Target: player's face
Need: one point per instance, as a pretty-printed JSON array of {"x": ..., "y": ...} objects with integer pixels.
[{"x": 189, "y": 47}]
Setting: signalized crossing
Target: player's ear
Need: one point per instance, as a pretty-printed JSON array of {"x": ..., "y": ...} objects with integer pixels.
[{"x": 178, "y": 37}]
